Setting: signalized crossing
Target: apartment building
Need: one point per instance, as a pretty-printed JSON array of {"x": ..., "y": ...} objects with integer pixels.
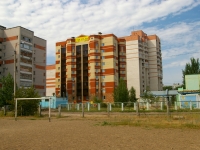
[
  {"x": 144, "y": 62},
  {"x": 89, "y": 66},
  {"x": 50, "y": 79},
  {"x": 30, "y": 53}
]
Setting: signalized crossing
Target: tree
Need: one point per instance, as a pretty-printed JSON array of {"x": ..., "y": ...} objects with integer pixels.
[
  {"x": 7, "y": 90},
  {"x": 191, "y": 68},
  {"x": 167, "y": 87},
  {"x": 27, "y": 107},
  {"x": 148, "y": 96},
  {"x": 132, "y": 95},
  {"x": 121, "y": 93}
]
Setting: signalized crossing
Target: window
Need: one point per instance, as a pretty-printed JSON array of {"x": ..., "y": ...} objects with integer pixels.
[
  {"x": 97, "y": 83},
  {"x": 102, "y": 51},
  {"x": 44, "y": 74},
  {"x": 58, "y": 50},
  {"x": 97, "y": 77},
  {"x": 33, "y": 72},
  {"x": 103, "y": 90},
  {"x": 103, "y": 57},
  {"x": 103, "y": 77},
  {"x": 58, "y": 56},
  {"x": 104, "y": 97},
  {"x": 97, "y": 90},
  {"x": 102, "y": 44},
  {"x": 103, "y": 83},
  {"x": 97, "y": 45},
  {"x": 58, "y": 80},
  {"x": 96, "y": 50},
  {"x": 96, "y": 57},
  {"x": 103, "y": 63},
  {"x": 96, "y": 64},
  {"x": 122, "y": 48},
  {"x": 96, "y": 70},
  {"x": 58, "y": 86},
  {"x": 58, "y": 68},
  {"x": 103, "y": 70}
]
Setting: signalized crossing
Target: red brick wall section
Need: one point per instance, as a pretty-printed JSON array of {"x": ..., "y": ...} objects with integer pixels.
[
  {"x": 39, "y": 47},
  {"x": 1, "y": 39},
  {"x": 11, "y": 38},
  {"x": 39, "y": 86},
  {"x": 92, "y": 86},
  {"x": 40, "y": 67},
  {"x": 109, "y": 97}
]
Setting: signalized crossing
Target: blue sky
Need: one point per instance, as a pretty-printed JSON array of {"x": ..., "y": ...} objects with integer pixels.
[{"x": 176, "y": 22}]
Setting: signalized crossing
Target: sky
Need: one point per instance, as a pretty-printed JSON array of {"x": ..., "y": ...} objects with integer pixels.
[{"x": 176, "y": 22}]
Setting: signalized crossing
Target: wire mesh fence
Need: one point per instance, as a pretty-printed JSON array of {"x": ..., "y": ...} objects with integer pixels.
[{"x": 137, "y": 107}]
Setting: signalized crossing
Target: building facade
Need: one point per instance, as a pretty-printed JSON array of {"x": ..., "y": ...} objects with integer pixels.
[
  {"x": 50, "y": 80},
  {"x": 89, "y": 66},
  {"x": 144, "y": 62},
  {"x": 30, "y": 53}
]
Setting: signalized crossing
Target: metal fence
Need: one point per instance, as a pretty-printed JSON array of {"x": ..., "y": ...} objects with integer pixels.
[{"x": 160, "y": 106}]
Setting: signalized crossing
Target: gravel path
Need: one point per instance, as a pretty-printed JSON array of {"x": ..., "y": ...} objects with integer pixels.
[{"x": 77, "y": 133}]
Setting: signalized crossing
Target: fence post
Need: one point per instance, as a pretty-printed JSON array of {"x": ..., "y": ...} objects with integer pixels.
[
  {"x": 122, "y": 106},
  {"x": 161, "y": 105},
  {"x": 88, "y": 106},
  {"x": 110, "y": 106},
  {"x": 77, "y": 105},
  {"x": 175, "y": 104},
  {"x": 108, "y": 110},
  {"x": 147, "y": 105},
  {"x": 137, "y": 108},
  {"x": 59, "y": 110},
  {"x": 134, "y": 106},
  {"x": 190, "y": 105},
  {"x": 39, "y": 110},
  {"x": 98, "y": 106},
  {"x": 68, "y": 106}
]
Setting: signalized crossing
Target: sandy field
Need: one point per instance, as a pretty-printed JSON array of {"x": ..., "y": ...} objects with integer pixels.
[{"x": 88, "y": 134}]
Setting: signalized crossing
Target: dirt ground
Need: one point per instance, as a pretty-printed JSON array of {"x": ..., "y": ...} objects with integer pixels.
[{"x": 88, "y": 134}]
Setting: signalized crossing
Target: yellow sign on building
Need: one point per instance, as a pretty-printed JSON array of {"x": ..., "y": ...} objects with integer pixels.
[{"x": 81, "y": 39}]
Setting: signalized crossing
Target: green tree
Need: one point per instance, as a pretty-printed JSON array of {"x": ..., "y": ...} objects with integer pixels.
[
  {"x": 132, "y": 95},
  {"x": 191, "y": 68},
  {"x": 167, "y": 87},
  {"x": 147, "y": 96},
  {"x": 7, "y": 90},
  {"x": 121, "y": 93},
  {"x": 27, "y": 107}
]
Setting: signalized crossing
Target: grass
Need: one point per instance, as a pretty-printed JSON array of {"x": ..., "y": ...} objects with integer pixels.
[{"x": 190, "y": 121}]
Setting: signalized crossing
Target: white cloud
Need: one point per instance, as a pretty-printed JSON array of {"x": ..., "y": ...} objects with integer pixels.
[{"x": 57, "y": 20}]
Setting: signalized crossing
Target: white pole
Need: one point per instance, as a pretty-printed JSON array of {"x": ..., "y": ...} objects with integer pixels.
[
  {"x": 49, "y": 109},
  {"x": 147, "y": 105},
  {"x": 161, "y": 105},
  {"x": 134, "y": 106},
  {"x": 190, "y": 105},
  {"x": 77, "y": 106},
  {"x": 175, "y": 103},
  {"x": 88, "y": 106},
  {"x": 99, "y": 106},
  {"x": 15, "y": 109},
  {"x": 122, "y": 106},
  {"x": 110, "y": 106}
]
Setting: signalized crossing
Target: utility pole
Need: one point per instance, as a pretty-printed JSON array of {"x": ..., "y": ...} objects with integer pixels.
[
  {"x": 15, "y": 82},
  {"x": 82, "y": 80}
]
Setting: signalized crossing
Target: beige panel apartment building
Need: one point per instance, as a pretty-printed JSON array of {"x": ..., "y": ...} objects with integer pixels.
[
  {"x": 30, "y": 57},
  {"x": 50, "y": 79},
  {"x": 144, "y": 62},
  {"x": 89, "y": 66}
]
